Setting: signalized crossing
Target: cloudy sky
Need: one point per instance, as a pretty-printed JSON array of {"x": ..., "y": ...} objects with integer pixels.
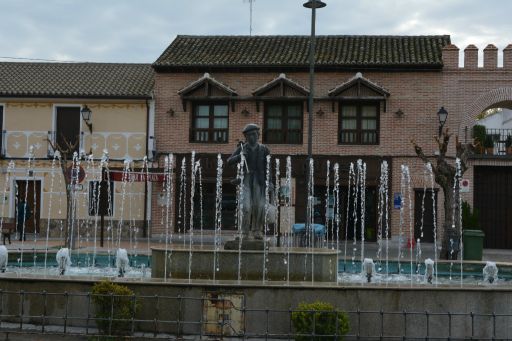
[{"x": 138, "y": 31}]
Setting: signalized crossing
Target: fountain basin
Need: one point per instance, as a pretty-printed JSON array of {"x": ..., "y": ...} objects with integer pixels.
[{"x": 282, "y": 264}]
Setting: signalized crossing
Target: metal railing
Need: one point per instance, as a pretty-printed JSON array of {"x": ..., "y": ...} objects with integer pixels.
[
  {"x": 499, "y": 136},
  {"x": 215, "y": 316}
]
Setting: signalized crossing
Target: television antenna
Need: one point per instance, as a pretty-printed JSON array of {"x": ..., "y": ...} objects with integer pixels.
[{"x": 250, "y": 14}]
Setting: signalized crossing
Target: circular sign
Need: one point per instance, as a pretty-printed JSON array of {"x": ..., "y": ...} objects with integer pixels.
[{"x": 75, "y": 174}]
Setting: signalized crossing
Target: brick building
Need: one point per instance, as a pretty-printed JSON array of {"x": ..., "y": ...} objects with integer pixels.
[
  {"x": 373, "y": 95},
  {"x": 40, "y": 107}
]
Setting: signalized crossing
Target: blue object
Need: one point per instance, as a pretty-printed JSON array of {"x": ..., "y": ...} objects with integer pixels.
[
  {"x": 397, "y": 200},
  {"x": 319, "y": 229}
]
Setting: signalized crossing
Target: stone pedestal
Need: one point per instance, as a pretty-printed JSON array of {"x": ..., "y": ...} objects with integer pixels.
[{"x": 296, "y": 264}]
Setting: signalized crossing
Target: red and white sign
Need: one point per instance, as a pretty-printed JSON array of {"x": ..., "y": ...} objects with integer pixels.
[
  {"x": 136, "y": 177},
  {"x": 464, "y": 186},
  {"x": 75, "y": 174}
]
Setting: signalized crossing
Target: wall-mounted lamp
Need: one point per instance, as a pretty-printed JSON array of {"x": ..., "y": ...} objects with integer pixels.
[
  {"x": 399, "y": 113},
  {"x": 86, "y": 116},
  {"x": 245, "y": 112},
  {"x": 442, "y": 115},
  {"x": 320, "y": 112},
  {"x": 170, "y": 112}
]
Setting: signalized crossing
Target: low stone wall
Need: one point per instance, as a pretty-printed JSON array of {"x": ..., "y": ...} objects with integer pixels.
[{"x": 172, "y": 301}]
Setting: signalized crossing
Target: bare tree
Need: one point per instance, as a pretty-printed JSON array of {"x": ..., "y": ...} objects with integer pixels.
[
  {"x": 66, "y": 161},
  {"x": 444, "y": 175}
]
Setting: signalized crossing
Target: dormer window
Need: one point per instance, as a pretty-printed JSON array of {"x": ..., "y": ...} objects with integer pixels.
[
  {"x": 283, "y": 100},
  {"x": 359, "y": 110},
  {"x": 209, "y": 121}
]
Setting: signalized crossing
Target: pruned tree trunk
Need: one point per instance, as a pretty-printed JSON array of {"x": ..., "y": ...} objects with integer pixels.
[
  {"x": 445, "y": 177},
  {"x": 65, "y": 160}
]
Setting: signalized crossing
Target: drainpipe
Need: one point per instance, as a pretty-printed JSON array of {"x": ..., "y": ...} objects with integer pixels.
[{"x": 145, "y": 223}]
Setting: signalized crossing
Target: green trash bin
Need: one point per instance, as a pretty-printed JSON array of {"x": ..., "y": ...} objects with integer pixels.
[{"x": 473, "y": 244}]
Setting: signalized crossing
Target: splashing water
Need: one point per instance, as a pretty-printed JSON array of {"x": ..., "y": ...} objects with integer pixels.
[
  {"x": 363, "y": 206},
  {"x": 266, "y": 218},
  {"x": 337, "y": 206},
  {"x": 63, "y": 260},
  {"x": 354, "y": 212},
  {"x": 218, "y": 216},
  {"x": 429, "y": 270},
  {"x": 351, "y": 184},
  {"x": 434, "y": 205},
  {"x": 327, "y": 201},
  {"x": 182, "y": 200},
  {"x": 169, "y": 193},
  {"x": 382, "y": 209},
  {"x": 240, "y": 210},
  {"x": 490, "y": 272},
  {"x": 288, "y": 185},
  {"x": 122, "y": 262}
]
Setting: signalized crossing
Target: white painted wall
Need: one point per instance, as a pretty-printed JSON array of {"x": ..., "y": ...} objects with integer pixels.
[{"x": 500, "y": 120}]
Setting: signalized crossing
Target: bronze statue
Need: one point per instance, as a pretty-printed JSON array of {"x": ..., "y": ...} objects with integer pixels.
[{"x": 254, "y": 168}]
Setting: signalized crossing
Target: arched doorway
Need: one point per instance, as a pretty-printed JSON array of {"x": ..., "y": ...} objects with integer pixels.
[{"x": 492, "y": 169}]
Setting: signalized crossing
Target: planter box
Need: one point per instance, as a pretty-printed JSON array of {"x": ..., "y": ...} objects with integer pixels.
[{"x": 473, "y": 244}]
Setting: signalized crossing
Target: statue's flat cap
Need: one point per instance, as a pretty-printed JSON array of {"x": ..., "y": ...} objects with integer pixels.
[{"x": 250, "y": 127}]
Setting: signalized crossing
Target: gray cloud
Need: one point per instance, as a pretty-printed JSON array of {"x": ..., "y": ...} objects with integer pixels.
[{"x": 138, "y": 31}]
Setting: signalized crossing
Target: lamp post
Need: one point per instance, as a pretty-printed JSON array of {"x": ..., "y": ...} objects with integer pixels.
[
  {"x": 442, "y": 115},
  {"x": 313, "y": 5}
]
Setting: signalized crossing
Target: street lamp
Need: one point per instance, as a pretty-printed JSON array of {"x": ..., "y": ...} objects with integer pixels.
[
  {"x": 86, "y": 116},
  {"x": 313, "y": 5},
  {"x": 442, "y": 114}
]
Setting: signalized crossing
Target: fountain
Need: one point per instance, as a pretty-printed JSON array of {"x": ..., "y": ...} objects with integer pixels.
[
  {"x": 429, "y": 270},
  {"x": 270, "y": 267},
  {"x": 4, "y": 257},
  {"x": 309, "y": 252},
  {"x": 63, "y": 260},
  {"x": 122, "y": 262},
  {"x": 490, "y": 272},
  {"x": 368, "y": 269}
]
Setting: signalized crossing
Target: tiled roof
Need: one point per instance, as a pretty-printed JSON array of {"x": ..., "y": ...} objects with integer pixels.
[
  {"x": 90, "y": 80},
  {"x": 293, "y": 51}
]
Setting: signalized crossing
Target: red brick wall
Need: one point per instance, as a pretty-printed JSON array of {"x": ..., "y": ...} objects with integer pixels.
[
  {"x": 468, "y": 91},
  {"x": 417, "y": 94}
]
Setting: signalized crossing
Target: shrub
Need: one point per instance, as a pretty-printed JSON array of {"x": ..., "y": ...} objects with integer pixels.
[
  {"x": 115, "y": 307},
  {"x": 489, "y": 141},
  {"x": 469, "y": 219},
  {"x": 479, "y": 133},
  {"x": 319, "y": 318}
]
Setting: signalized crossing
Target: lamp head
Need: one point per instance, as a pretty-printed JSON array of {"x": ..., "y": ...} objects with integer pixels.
[
  {"x": 314, "y": 4},
  {"x": 86, "y": 113},
  {"x": 442, "y": 114}
]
